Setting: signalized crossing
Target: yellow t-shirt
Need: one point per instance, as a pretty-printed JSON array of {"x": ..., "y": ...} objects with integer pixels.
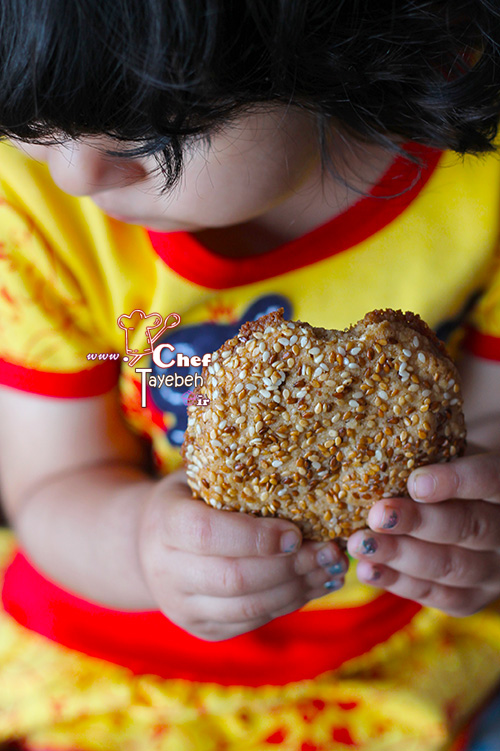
[
  {"x": 68, "y": 273},
  {"x": 83, "y": 298}
]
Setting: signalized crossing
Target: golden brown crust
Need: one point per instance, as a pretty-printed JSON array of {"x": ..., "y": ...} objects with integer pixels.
[{"x": 316, "y": 425}]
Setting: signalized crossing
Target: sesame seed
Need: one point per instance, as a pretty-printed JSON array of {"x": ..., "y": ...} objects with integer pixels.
[
  {"x": 416, "y": 342},
  {"x": 421, "y": 357},
  {"x": 314, "y": 351},
  {"x": 353, "y": 366},
  {"x": 355, "y": 350},
  {"x": 254, "y": 399}
]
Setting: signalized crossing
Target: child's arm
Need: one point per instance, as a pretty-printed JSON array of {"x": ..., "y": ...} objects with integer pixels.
[
  {"x": 444, "y": 551},
  {"x": 91, "y": 518}
]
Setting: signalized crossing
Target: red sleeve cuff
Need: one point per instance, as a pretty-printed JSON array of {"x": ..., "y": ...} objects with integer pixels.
[
  {"x": 482, "y": 345},
  {"x": 89, "y": 382}
]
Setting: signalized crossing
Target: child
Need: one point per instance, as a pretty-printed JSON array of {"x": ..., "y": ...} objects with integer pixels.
[{"x": 306, "y": 158}]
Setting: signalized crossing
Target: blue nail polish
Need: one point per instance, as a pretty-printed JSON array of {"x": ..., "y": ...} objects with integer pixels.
[
  {"x": 333, "y": 585},
  {"x": 368, "y": 546},
  {"x": 335, "y": 569},
  {"x": 391, "y": 520}
]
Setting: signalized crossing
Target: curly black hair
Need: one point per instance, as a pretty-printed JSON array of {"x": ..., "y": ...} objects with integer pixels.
[{"x": 156, "y": 73}]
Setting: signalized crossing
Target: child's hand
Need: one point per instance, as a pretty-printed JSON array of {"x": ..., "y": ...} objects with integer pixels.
[
  {"x": 444, "y": 551},
  {"x": 219, "y": 574}
]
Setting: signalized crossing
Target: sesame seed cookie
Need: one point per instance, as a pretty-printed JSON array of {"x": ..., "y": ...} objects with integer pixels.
[{"x": 315, "y": 426}]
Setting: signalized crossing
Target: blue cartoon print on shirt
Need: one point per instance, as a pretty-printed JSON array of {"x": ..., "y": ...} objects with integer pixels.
[{"x": 197, "y": 340}]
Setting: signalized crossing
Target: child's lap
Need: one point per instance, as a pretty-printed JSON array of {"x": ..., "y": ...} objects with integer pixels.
[{"x": 410, "y": 694}]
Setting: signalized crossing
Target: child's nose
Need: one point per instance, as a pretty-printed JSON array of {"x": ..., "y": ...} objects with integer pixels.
[{"x": 82, "y": 170}]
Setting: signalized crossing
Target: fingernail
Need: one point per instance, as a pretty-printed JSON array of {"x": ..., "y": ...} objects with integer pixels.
[
  {"x": 325, "y": 556},
  {"x": 383, "y": 518},
  {"x": 367, "y": 546},
  {"x": 389, "y": 519},
  {"x": 376, "y": 574},
  {"x": 335, "y": 569},
  {"x": 334, "y": 584},
  {"x": 424, "y": 485},
  {"x": 290, "y": 542}
]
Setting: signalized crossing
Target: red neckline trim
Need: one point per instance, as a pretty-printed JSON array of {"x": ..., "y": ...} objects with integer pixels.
[{"x": 185, "y": 255}]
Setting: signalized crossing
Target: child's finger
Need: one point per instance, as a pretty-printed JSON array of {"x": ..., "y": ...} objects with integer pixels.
[
  {"x": 448, "y": 564},
  {"x": 197, "y": 528},
  {"x": 469, "y": 524},
  {"x": 476, "y": 476},
  {"x": 217, "y": 576},
  {"x": 267, "y": 605},
  {"x": 455, "y": 601}
]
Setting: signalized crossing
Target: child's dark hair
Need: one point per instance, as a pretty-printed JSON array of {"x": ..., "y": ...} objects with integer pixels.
[{"x": 157, "y": 72}]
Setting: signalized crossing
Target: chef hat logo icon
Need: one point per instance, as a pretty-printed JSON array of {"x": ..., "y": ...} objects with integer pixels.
[{"x": 146, "y": 326}]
